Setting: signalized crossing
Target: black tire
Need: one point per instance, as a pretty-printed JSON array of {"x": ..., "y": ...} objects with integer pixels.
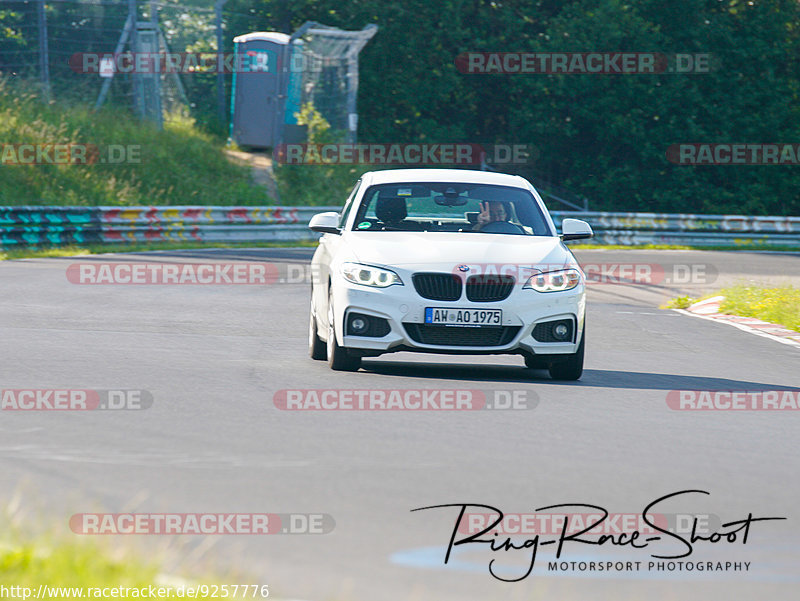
[
  {"x": 338, "y": 359},
  {"x": 316, "y": 346},
  {"x": 570, "y": 368},
  {"x": 534, "y": 362}
]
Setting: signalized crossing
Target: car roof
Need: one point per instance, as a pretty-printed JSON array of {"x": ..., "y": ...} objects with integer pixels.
[{"x": 391, "y": 176}]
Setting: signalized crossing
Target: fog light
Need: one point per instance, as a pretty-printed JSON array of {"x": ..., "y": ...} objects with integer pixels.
[
  {"x": 359, "y": 325},
  {"x": 561, "y": 331},
  {"x": 558, "y": 330}
]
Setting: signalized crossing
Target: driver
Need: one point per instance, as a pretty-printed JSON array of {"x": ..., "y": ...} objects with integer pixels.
[{"x": 491, "y": 211}]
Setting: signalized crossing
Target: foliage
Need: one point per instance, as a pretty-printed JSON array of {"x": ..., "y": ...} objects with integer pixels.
[
  {"x": 602, "y": 136},
  {"x": 178, "y": 166},
  {"x": 779, "y": 305},
  {"x": 317, "y": 184},
  {"x": 681, "y": 302}
]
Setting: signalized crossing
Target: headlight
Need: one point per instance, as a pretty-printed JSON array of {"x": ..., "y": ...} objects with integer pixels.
[
  {"x": 554, "y": 281},
  {"x": 366, "y": 275}
]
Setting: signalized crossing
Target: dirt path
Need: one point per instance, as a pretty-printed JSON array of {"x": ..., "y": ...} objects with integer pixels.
[{"x": 261, "y": 168}]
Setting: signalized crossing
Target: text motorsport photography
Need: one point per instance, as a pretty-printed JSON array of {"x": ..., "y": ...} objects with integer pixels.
[{"x": 669, "y": 541}]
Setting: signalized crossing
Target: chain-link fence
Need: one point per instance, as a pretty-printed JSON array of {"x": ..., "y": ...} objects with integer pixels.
[
  {"x": 63, "y": 43},
  {"x": 330, "y": 73},
  {"x": 38, "y": 38}
]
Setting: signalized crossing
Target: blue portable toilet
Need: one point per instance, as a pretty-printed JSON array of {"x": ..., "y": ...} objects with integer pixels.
[{"x": 258, "y": 97}]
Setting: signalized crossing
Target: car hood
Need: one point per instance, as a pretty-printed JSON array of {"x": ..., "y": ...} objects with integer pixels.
[{"x": 407, "y": 249}]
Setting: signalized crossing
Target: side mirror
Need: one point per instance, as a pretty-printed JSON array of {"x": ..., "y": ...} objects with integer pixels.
[
  {"x": 325, "y": 223},
  {"x": 575, "y": 229}
]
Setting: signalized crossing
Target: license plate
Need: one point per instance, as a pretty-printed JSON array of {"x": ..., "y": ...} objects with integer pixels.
[{"x": 463, "y": 317}]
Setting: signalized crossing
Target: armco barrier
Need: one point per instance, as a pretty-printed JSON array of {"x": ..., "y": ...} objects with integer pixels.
[
  {"x": 38, "y": 226},
  {"x": 53, "y": 226},
  {"x": 688, "y": 229}
]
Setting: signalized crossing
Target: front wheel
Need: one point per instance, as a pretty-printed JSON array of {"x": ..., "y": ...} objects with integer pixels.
[
  {"x": 534, "y": 362},
  {"x": 338, "y": 359},
  {"x": 570, "y": 368}
]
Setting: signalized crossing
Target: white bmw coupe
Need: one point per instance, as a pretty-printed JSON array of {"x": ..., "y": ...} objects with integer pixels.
[{"x": 447, "y": 261}]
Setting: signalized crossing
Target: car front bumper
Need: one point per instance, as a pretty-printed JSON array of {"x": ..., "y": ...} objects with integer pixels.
[{"x": 402, "y": 306}]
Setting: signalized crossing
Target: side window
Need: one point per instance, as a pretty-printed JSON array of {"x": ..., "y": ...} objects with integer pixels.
[{"x": 349, "y": 204}]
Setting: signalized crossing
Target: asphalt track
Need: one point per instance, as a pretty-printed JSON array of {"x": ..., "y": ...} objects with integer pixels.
[{"x": 213, "y": 441}]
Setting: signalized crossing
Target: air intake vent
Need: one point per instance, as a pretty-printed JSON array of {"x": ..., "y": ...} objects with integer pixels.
[{"x": 460, "y": 335}]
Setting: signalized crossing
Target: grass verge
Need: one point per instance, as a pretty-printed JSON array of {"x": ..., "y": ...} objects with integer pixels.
[
  {"x": 76, "y": 251},
  {"x": 69, "y": 251},
  {"x": 180, "y": 165},
  {"x": 742, "y": 248},
  {"x": 59, "y": 562},
  {"x": 36, "y": 552},
  {"x": 779, "y": 305},
  {"x": 32, "y": 554}
]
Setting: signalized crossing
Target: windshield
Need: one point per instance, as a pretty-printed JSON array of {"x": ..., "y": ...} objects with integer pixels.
[{"x": 450, "y": 207}]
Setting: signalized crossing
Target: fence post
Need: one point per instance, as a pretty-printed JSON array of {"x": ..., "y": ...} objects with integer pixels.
[
  {"x": 44, "y": 52},
  {"x": 220, "y": 61},
  {"x": 138, "y": 100},
  {"x": 123, "y": 39}
]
